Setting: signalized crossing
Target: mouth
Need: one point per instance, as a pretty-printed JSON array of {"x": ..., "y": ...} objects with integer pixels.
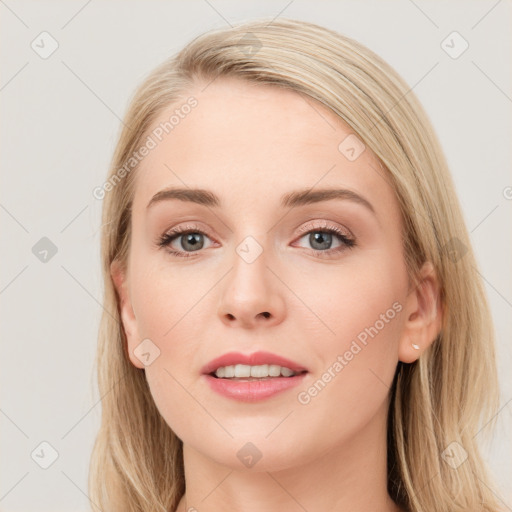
[
  {"x": 250, "y": 388},
  {"x": 258, "y": 365},
  {"x": 252, "y": 377},
  {"x": 243, "y": 372}
]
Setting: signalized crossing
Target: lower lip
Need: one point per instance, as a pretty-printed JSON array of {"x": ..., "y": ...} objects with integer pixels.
[{"x": 253, "y": 390}]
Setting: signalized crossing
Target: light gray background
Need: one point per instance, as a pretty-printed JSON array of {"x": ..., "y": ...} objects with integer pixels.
[{"x": 60, "y": 120}]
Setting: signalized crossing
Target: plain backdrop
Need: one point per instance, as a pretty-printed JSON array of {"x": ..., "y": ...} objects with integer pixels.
[{"x": 60, "y": 120}]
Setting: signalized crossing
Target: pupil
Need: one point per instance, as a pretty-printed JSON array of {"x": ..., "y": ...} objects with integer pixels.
[
  {"x": 323, "y": 240},
  {"x": 321, "y": 237},
  {"x": 191, "y": 240}
]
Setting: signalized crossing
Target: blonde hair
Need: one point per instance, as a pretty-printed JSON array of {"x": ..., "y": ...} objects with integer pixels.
[{"x": 442, "y": 398}]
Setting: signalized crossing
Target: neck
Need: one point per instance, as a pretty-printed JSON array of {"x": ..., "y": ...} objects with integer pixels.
[{"x": 351, "y": 477}]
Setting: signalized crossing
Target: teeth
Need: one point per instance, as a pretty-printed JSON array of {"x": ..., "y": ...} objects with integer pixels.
[
  {"x": 286, "y": 372},
  {"x": 261, "y": 371}
]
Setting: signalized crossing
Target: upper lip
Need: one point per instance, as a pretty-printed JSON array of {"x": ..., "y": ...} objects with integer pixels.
[{"x": 254, "y": 359}]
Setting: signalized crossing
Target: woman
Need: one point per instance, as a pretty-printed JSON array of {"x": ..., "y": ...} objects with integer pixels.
[{"x": 294, "y": 319}]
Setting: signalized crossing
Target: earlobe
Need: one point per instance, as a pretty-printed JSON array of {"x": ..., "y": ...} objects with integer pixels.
[
  {"x": 128, "y": 320},
  {"x": 424, "y": 315}
]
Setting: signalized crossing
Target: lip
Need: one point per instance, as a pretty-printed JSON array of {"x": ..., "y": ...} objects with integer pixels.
[
  {"x": 252, "y": 390},
  {"x": 254, "y": 359}
]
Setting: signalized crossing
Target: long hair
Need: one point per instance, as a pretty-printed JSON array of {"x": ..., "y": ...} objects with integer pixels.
[{"x": 440, "y": 404}]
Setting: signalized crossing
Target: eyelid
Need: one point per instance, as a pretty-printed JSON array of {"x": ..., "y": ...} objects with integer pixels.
[
  {"x": 324, "y": 224},
  {"x": 305, "y": 228},
  {"x": 190, "y": 226},
  {"x": 342, "y": 233}
]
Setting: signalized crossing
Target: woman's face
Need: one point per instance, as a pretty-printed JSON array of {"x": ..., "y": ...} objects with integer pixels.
[{"x": 322, "y": 283}]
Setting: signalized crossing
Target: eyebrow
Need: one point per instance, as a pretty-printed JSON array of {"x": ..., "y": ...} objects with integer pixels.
[{"x": 290, "y": 200}]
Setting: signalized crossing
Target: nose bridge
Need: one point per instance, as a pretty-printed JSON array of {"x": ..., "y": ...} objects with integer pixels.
[
  {"x": 251, "y": 294},
  {"x": 250, "y": 273}
]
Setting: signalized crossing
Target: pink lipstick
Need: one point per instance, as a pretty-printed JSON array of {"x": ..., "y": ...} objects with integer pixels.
[{"x": 237, "y": 377}]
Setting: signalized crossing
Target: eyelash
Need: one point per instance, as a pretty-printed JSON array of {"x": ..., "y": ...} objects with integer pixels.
[{"x": 348, "y": 243}]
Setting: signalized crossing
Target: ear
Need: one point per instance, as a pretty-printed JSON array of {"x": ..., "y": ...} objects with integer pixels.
[
  {"x": 424, "y": 314},
  {"x": 129, "y": 322}
]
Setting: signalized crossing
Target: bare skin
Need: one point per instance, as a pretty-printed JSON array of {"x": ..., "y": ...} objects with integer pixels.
[{"x": 251, "y": 144}]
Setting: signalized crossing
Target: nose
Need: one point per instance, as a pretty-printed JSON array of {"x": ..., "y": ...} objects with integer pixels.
[{"x": 252, "y": 295}]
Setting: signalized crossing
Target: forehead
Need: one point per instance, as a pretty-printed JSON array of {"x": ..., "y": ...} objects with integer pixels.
[{"x": 253, "y": 142}]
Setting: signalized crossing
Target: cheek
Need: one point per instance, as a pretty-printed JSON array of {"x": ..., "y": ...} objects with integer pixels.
[
  {"x": 171, "y": 318},
  {"x": 356, "y": 365},
  {"x": 164, "y": 295},
  {"x": 361, "y": 309},
  {"x": 166, "y": 316},
  {"x": 363, "y": 293}
]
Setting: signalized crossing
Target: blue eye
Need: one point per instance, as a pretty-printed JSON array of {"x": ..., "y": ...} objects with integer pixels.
[
  {"x": 320, "y": 239},
  {"x": 191, "y": 239}
]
